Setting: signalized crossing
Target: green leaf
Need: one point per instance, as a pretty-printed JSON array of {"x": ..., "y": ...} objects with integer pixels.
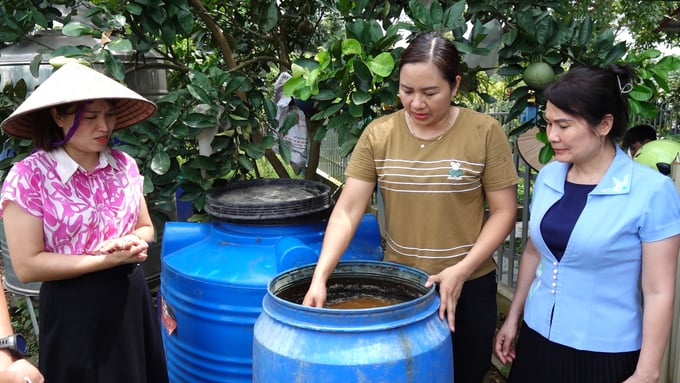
[
  {"x": 436, "y": 13},
  {"x": 634, "y": 105},
  {"x": 157, "y": 14},
  {"x": 648, "y": 54},
  {"x": 347, "y": 146},
  {"x": 419, "y": 14},
  {"x": 199, "y": 94},
  {"x": 203, "y": 162},
  {"x": 168, "y": 33},
  {"x": 270, "y": 17},
  {"x": 615, "y": 54},
  {"x": 76, "y": 28},
  {"x": 199, "y": 121},
  {"x": 360, "y": 98},
  {"x": 509, "y": 37},
  {"x": 293, "y": 84},
  {"x": 254, "y": 150},
  {"x": 185, "y": 21},
  {"x": 585, "y": 31},
  {"x": 133, "y": 9},
  {"x": 236, "y": 117},
  {"x": 356, "y": 110},
  {"x": 382, "y": 64},
  {"x": 641, "y": 93},
  {"x": 668, "y": 63},
  {"x": 454, "y": 16},
  {"x": 525, "y": 21},
  {"x": 327, "y": 112},
  {"x": 120, "y": 45},
  {"x": 546, "y": 154},
  {"x": 510, "y": 70},
  {"x": 351, "y": 47},
  {"x": 234, "y": 84},
  {"x": 660, "y": 77},
  {"x": 362, "y": 72},
  {"x": 245, "y": 162},
  {"x": 544, "y": 30},
  {"x": 521, "y": 92},
  {"x": 268, "y": 142},
  {"x": 289, "y": 121},
  {"x": 114, "y": 66},
  {"x": 284, "y": 149},
  {"x": 327, "y": 94},
  {"x": 35, "y": 65}
]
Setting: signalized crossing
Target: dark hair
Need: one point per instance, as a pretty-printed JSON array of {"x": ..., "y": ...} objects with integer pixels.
[
  {"x": 638, "y": 133},
  {"x": 45, "y": 137},
  {"x": 592, "y": 93},
  {"x": 433, "y": 47}
]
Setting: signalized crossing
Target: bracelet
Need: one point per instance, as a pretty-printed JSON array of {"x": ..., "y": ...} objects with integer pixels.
[{"x": 27, "y": 379}]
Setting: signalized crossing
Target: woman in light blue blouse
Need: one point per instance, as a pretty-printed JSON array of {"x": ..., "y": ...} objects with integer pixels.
[{"x": 603, "y": 240}]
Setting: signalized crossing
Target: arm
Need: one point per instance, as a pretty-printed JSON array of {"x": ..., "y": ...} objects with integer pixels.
[
  {"x": 659, "y": 265},
  {"x": 11, "y": 369},
  {"x": 144, "y": 228},
  {"x": 6, "y": 357},
  {"x": 503, "y": 210},
  {"x": 31, "y": 262},
  {"x": 508, "y": 331},
  {"x": 342, "y": 224}
]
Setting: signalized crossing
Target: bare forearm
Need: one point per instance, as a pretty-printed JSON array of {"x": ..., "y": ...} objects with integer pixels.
[
  {"x": 51, "y": 266},
  {"x": 656, "y": 327},
  {"x": 527, "y": 270},
  {"x": 492, "y": 236}
]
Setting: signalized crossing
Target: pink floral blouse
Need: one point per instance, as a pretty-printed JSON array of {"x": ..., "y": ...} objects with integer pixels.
[{"x": 79, "y": 209}]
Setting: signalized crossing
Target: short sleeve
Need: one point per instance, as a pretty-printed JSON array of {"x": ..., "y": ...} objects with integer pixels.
[
  {"x": 23, "y": 187},
  {"x": 499, "y": 169},
  {"x": 661, "y": 218}
]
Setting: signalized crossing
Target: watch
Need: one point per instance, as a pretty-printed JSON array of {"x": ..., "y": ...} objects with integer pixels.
[{"x": 15, "y": 343}]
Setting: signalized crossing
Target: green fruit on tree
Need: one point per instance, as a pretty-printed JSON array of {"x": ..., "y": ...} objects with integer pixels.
[
  {"x": 538, "y": 75},
  {"x": 59, "y": 61}
]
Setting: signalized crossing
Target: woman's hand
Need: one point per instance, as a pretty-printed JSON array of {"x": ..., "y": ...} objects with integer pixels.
[
  {"x": 450, "y": 282},
  {"x": 126, "y": 249},
  {"x": 503, "y": 343},
  {"x": 23, "y": 368},
  {"x": 316, "y": 295},
  {"x": 639, "y": 377}
]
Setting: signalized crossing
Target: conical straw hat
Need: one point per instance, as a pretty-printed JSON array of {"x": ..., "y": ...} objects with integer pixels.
[
  {"x": 529, "y": 148},
  {"x": 71, "y": 83}
]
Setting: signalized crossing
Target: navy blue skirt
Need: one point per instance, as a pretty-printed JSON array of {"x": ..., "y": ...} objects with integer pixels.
[
  {"x": 100, "y": 328},
  {"x": 541, "y": 361}
]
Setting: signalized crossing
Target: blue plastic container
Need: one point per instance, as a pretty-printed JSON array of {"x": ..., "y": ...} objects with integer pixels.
[
  {"x": 398, "y": 343},
  {"x": 215, "y": 275}
]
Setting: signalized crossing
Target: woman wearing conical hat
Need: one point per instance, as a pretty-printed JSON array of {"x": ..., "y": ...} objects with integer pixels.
[{"x": 75, "y": 218}]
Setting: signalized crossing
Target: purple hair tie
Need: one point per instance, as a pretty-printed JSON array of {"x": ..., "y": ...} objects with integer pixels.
[{"x": 72, "y": 130}]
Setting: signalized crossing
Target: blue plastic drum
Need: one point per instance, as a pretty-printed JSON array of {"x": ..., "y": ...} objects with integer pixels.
[
  {"x": 382, "y": 325},
  {"x": 215, "y": 275}
]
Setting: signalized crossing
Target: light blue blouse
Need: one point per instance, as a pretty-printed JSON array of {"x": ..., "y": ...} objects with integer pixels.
[{"x": 591, "y": 299}]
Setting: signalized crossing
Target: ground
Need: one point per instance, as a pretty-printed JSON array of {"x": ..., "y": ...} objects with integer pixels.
[{"x": 494, "y": 376}]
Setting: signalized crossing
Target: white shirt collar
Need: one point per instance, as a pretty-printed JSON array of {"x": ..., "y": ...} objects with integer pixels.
[{"x": 67, "y": 166}]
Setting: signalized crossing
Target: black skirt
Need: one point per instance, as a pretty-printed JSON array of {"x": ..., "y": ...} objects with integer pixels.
[
  {"x": 542, "y": 361},
  {"x": 100, "y": 328}
]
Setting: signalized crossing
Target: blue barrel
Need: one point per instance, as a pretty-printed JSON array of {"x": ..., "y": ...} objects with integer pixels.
[
  {"x": 215, "y": 275},
  {"x": 402, "y": 341}
]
